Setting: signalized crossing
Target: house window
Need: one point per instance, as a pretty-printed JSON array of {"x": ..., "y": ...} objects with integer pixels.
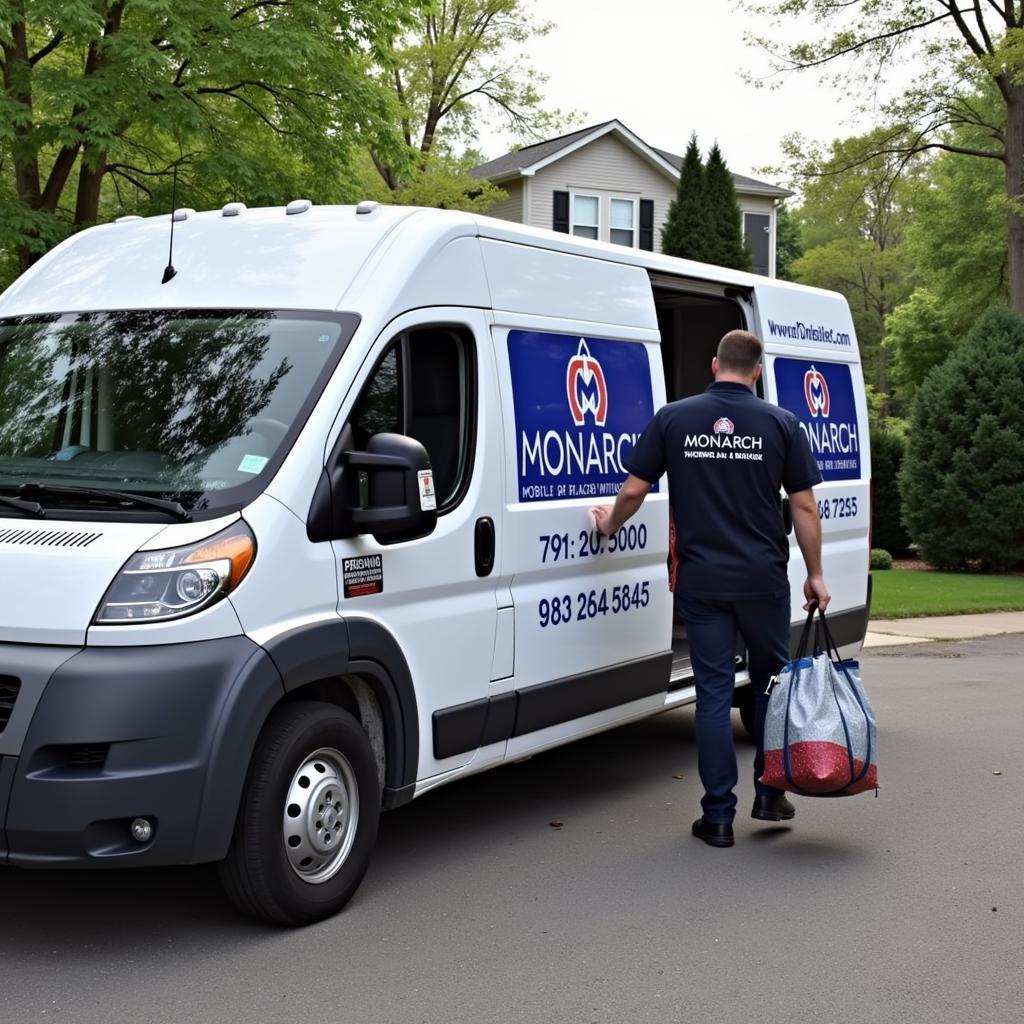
[
  {"x": 622, "y": 222},
  {"x": 586, "y": 216}
]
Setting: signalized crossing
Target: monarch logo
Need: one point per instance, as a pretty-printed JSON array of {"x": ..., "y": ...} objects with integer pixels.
[
  {"x": 816, "y": 393},
  {"x": 724, "y": 426},
  {"x": 586, "y": 388}
]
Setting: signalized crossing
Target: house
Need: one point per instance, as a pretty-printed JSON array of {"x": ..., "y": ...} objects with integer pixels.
[{"x": 605, "y": 182}]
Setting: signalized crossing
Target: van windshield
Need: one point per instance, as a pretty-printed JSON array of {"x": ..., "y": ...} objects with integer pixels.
[{"x": 195, "y": 406}]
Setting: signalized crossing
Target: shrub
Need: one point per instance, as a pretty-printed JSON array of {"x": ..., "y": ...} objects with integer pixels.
[
  {"x": 962, "y": 482},
  {"x": 880, "y": 559},
  {"x": 887, "y": 529}
]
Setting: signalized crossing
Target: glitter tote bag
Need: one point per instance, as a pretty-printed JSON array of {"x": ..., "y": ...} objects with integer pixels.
[{"x": 820, "y": 734}]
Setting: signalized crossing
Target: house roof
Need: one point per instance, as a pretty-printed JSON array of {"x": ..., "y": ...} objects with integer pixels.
[{"x": 526, "y": 161}]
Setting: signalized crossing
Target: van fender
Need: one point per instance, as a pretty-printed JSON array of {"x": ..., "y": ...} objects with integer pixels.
[{"x": 363, "y": 647}]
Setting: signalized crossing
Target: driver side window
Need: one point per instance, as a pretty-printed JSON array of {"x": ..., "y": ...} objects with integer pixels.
[{"x": 423, "y": 387}]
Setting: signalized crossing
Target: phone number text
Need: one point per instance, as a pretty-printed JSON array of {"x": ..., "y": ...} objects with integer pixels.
[
  {"x": 559, "y": 547},
  {"x": 837, "y": 508},
  {"x": 556, "y": 611}
]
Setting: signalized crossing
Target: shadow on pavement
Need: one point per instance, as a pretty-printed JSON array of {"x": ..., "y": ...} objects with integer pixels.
[{"x": 116, "y": 912}]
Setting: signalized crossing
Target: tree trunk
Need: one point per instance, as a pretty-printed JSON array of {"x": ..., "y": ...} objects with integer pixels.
[
  {"x": 90, "y": 178},
  {"x": 1015, "y": 193},
  {"x": 18, "y": 87}
]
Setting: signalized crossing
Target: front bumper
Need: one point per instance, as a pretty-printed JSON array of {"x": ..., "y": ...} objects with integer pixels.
[{"x": 100, "y": 736}]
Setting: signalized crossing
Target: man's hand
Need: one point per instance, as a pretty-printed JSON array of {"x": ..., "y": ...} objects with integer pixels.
[
  {"x": 603, "y": 519},
  {"x": 608, "y": 518},
  {"x": 815, "y": 590}
]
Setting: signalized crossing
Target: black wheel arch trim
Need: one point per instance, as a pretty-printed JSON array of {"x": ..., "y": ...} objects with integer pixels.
[{"x": 359, "y": 646}]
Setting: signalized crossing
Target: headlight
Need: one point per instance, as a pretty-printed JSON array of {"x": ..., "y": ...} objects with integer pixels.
[{"x": 159, "y": 585}]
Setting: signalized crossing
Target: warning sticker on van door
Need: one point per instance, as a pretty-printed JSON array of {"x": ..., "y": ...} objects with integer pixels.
[
  {"x": 820, "y": 395},
  {"x": 580, "y": 405},
  {"x": 363, "y": 575}
]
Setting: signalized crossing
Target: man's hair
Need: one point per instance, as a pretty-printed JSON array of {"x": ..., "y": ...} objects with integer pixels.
[{"x": 739, "y": 352}]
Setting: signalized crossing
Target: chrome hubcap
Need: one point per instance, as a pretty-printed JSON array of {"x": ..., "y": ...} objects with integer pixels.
[{"x": 321, "y": 813}]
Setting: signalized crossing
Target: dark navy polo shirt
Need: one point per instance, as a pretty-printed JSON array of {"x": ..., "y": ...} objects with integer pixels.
[{"x": 727, "y": 454}]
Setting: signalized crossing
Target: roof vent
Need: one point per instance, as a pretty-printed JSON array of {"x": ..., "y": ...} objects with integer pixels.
[
  {"x": 183, "y": 214},
  {"x": 298, "y": 206},
  {"x": 367, "y": 206},
  {"x": 128, "y": 216},
  {"x": 232, "y": 209}
]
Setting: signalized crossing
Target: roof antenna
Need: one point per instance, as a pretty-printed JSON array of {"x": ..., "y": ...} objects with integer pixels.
[{"x": 169, "y": 270}]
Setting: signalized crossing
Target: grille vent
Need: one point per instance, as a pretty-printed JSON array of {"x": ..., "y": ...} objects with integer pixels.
[
  {"x": 88, "y": 755},
  {"x": 9, "y": 687},
  {"x": 49, "y": 538}
]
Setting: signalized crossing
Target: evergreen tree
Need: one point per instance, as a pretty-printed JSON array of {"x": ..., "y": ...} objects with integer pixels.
[
  {"x": 887, "y": 529},
  {"x": 962, "y": 480},
  {"x": 687, "y": 225},
  {"x": 726, "y": 245}
]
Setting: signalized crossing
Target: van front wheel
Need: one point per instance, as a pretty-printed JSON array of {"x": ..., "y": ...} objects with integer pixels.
[{"x": 308, "y": 819}]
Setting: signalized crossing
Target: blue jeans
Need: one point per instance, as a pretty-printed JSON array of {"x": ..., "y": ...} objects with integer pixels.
[{"x": 711, "y": 627}]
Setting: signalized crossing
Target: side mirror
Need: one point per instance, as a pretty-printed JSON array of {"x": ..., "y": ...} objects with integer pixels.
[{"x": 386, "y": 490}]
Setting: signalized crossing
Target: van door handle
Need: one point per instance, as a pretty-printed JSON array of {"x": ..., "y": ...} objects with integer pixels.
[
  {"x": 787, "y": 515},
  {"x": 484, "y": 546}
]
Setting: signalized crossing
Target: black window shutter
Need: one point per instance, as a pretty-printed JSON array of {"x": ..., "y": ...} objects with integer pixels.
[
  {"x": 561, "y": 210},
  {"x": 647, "y": 224}
]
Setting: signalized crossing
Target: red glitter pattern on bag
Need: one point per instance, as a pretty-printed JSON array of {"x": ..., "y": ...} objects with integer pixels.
[{"x": 817, "y": 767}]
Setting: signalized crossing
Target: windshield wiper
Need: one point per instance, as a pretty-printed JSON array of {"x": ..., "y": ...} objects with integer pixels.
[
  {"x": 118, "y": 497},
  {"x": 33, "y": 508}
]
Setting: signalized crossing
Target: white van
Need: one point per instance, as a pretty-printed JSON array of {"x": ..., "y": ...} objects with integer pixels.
[{"x": 305, "y": 531}]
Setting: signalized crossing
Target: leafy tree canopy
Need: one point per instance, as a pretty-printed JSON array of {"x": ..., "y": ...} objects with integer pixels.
[
  {"x": 456, "y": 69},
  {"x": 918, "y": 337},
  {"x": 853, "y": 223},
  {"x": 956, "y": 49},
  {"x": 957, "y": 237},
  {"x": 103, "y": 99}
]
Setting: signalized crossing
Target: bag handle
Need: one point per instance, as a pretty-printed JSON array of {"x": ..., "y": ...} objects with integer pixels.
[
  {"x": 830, "y": 644},
  {"x": 803, "y": 648},
  {"x": 832, "y": 650}
]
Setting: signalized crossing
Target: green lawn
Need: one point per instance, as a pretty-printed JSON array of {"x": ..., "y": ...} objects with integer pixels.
[{"x": 904, "y": 593}]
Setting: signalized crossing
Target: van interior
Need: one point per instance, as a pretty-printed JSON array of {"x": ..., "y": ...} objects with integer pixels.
[{"x": 691, "y": 323}]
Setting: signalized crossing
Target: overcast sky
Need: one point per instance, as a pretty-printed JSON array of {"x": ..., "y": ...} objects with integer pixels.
[{"x": 666, "y": 68}]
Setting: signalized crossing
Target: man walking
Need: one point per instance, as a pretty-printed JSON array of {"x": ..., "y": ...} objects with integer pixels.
[{"x": 727, "y": 455}]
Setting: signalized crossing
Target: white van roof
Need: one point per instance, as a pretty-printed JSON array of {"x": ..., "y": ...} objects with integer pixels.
[{"x": 237, "y": 258}]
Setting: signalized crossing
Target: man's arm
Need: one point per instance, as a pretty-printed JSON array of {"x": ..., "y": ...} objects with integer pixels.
[
  {"x": 807, "y": 525},
  {"x": 609, "y": 518}
]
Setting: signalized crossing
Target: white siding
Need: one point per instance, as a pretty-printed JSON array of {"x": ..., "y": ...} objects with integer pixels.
[
  {"x": 512, "y": 207},
  {"x": 605, "y": 168}
]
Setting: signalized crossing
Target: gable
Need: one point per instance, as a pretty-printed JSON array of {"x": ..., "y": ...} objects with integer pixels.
[{"x": 606, "y": 165}]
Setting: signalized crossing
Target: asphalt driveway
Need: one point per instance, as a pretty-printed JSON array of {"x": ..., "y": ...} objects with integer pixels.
[{"x": 567, "y": 888}]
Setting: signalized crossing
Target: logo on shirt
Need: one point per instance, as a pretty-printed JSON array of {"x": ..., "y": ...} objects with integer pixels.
[
  {"x": 725, "y": 426},
  {"x": 586, "y": 388},
  {"x": 816, "y": 393}
]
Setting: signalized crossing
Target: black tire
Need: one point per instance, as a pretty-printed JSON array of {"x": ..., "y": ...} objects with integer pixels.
[
  {"x": 259, "y": 875},
  {"x": 746, "y": 703}
]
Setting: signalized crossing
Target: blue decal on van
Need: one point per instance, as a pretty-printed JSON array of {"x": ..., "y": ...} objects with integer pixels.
[
  {"x": 820, "y": 395},
  {"x": 580, "y": 405}
]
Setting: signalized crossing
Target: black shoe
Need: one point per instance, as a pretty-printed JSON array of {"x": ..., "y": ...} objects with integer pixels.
[
  {"x": 713, "y": 833},
  {"x": 772, "y": 808}
]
